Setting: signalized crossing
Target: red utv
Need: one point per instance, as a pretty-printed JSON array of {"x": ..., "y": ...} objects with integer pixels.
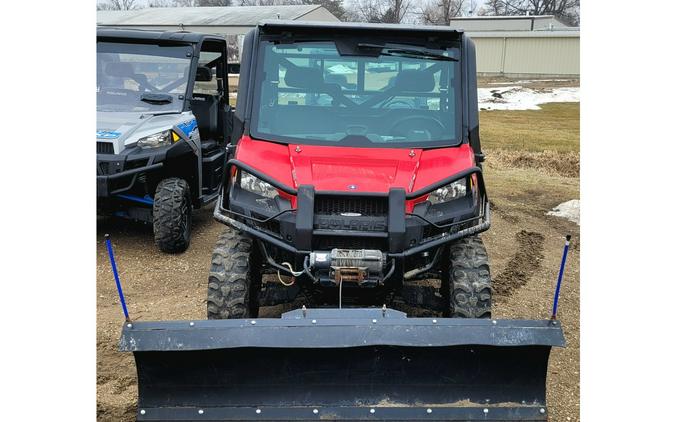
[
  {"x": 353, "y": 177},
  {"x": 353, "y": 172}
]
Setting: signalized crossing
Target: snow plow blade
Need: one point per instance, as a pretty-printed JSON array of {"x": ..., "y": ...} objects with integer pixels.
[{"x": 342, "y": 364}]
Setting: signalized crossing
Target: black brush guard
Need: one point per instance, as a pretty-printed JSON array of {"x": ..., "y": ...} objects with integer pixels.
[{"x": 342, "y": 364}]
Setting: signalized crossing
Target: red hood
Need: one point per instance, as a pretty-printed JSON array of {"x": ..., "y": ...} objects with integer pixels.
[{"x": 350, "y": 169}]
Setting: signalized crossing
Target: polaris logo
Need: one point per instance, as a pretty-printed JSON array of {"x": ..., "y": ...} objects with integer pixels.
[
  {"x": 350, "y": 214},
  {"x": 328, "y": 223}
]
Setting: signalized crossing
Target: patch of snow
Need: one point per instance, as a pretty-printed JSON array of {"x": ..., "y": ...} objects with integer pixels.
[
  {"x": 568, "y": 210},
  {"x": 529, "y": 81},
  {"x": 515, "y": 97}
]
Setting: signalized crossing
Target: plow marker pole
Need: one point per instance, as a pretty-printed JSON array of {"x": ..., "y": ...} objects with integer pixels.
[
  {"x": 554, "y": 314},
  {"x": 111, "y": 255}
]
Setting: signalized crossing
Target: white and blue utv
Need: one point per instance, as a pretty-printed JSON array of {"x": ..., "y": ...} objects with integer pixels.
[{"x": 162, "y": 124}]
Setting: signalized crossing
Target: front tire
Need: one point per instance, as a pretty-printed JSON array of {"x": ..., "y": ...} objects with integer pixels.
[
  {"x": 235, "y": 278},
  {"x": 466, "y": 285},
  {"x": 172, "y": 215}
]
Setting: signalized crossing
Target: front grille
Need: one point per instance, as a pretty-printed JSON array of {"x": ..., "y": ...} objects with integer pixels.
[
  {"x": 104, "y": 148},
  {"x": 364, "y": 205}
]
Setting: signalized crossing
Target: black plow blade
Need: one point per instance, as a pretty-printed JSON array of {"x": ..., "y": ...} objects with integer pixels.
[{"x": 349, "y": 364}]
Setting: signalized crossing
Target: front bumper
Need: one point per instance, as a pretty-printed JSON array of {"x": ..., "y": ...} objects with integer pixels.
[
  {"x": 121, "y": 182},
  {"x": 399, "y": 234},
  {"x": 118, "y": 174}
]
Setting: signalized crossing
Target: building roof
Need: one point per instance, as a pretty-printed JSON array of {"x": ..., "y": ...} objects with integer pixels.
[
  {"x": 486, "y": 17},
  {"x": 508, "y": 23},
  {"x": 568, "y": 33},
  {"x": 201, "y": 16}
]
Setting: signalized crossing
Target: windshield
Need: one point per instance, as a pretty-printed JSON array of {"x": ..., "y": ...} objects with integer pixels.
[
  {"x": 380, "y": 95},
  {"x": 141, "y": 77}
]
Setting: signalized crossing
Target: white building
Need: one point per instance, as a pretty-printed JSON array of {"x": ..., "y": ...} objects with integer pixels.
[{"x": 508, "y": 23}]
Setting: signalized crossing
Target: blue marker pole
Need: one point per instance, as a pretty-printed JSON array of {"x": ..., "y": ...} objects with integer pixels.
[
  {"x": 560, "y": 276},
  {"x": 117, "y": 277}
]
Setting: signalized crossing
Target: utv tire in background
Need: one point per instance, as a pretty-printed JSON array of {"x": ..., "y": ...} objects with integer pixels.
[
  {"x": 172, "y": 215},
  {"x": 466, "y": 285},
  {"x": 234, "y": 278}
]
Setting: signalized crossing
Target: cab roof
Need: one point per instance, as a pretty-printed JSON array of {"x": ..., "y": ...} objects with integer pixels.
[
  {"x": 154, "y": 35},
  {"x": 274, "y": 25}
]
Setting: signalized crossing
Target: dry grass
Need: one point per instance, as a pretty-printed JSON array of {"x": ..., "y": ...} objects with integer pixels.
[
  {"x": 532, "y": 156},
  {"x": 553, "y": 128},
  {"x": 528, "y": 189},
  {"x": 545, "y": 140},
  {"x": 548, "y": 162}
]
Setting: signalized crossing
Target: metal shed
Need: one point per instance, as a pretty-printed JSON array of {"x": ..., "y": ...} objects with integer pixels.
[
  {"x": 527, "y": 53},
  {"x": 507, "y": 23}
]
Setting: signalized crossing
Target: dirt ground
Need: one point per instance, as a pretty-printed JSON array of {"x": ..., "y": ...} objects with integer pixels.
[{"x": 524, "y": 245}]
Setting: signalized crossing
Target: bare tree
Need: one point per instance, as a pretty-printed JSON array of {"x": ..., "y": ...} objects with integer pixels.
[
  {"x": 218, "y": 3},
  {"x": 495, "y": 8},
  {"x": 566, "y": 10},
  {"x": 440, "y": 12},
  {"x": 380, "y": 11},
  {"x": 160, "y": 3},
  {"x": 471, "y": 7},
  {"x": 117, "y": 5},
  {"x": 262, "y": 3},
  {"x": 201, "y": 3}
]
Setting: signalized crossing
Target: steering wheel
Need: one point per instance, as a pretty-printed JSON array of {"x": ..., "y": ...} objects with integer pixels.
[
  {"x": 397, "y": 104},
  {"x": 418, "y": 128}
]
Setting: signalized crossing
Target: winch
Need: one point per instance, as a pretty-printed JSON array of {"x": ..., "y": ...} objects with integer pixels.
[{"x": 361, "y": 266}]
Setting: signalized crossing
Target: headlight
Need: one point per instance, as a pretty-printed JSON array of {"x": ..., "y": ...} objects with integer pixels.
[
  {"x": 156, "y": 140},
  {"x": 252, "y": 184},
  {"x": 448, "y": 192}
]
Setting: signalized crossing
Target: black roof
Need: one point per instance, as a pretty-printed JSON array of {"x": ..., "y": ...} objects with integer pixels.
[
  {"x": 154, "y": 35},
  {"x": 356, "y": 26}
]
